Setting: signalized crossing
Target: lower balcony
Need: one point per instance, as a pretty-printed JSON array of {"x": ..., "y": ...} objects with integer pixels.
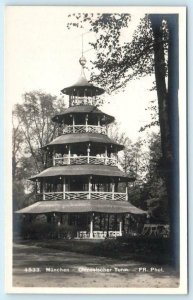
[{"x": 82, "y": 196}]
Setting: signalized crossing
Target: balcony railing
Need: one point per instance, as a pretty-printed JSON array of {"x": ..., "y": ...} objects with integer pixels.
[
  {"x": 98, "y": 234},
  {"x": 83, "y": 195},
  {"x": 82, "y": 160},
  {"x": 85, "y": 128},
  {"x": 86, "y": 100}
]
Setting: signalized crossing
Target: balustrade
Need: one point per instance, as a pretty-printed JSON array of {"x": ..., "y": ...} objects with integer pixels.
[
  {"x": 85, "y": 128},
  {"x": 82, "y": 196},
  {"x": 82, "y": 160},
  {"x": 86, "y": 100},
  {"x": 98, "y": 234}
]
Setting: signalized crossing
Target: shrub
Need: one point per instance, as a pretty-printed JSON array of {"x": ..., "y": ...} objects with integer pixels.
[{"x": 39, "y": 230}]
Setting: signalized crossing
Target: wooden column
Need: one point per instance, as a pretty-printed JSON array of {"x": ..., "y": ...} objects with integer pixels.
[
  {"x": 73, "y": 123},
  {"x": 99, "y": 121},
  {"x": 89, "y": 187},
  {"x": 91, "y": 226},
  {"x": 126, "y": 191},
  {"x": 113, "y": 190},
  {"x": 120, "y": 228},
  {"x": 86, "y": 123},
  {"x": 64, "y": 188},
  {"x": 69, "y": 154},
  {"x": 88, "y": 154},
  {"x": 53, "y": 157}
]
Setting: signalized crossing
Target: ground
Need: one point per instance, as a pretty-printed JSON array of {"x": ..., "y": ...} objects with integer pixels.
[{"x": 32, "y": 267}]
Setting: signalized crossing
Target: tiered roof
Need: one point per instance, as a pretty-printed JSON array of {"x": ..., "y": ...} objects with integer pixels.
[
  {"x": 83, "y": 170},
  {"x": 82, "y": 109},
  {"x": 83, "y": 206}
]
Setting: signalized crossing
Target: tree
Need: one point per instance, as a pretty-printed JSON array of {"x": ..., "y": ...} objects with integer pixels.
[
  {"x": 155, "y": 186},
  {"x": 32, "y": 129},
  {"x": 152, "y": 50},
  {"x": 33, "y": 119},
  {"x": 133, "y": 160}
]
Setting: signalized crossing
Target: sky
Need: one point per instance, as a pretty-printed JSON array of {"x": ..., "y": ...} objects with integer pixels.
[{"x": 42, "y": 54}]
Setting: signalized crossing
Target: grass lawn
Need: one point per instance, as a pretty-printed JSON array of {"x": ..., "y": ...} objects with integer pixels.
[{"x": 142, "y": 249}]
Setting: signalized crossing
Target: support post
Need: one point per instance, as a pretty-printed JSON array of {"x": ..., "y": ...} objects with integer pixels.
[
  {"x": 126, "y": 191},
  {"x": 120, "y": 228},
  {"x": 64, "y": 188},
  {"x": 88, "y": 154},
  {"x": 69, "y": 154},
  {"x": 113, "y": 190},
  {"x": 91, "y": 226},
  {"x": 89, "y": 187},
  {"x": 86, "y": 123},
  {"x": 99, "y": 121},
  {"x": 73, "y": 124},
  {"x": 53, "y": 157}
]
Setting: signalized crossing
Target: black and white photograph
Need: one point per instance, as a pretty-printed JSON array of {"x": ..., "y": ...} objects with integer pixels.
[{"x": 95, "y": 114}]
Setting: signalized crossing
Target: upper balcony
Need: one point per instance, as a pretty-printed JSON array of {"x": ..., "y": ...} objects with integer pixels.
[
  {"x": 85, "y": 128},
  {"x": 77, "y": 100}
]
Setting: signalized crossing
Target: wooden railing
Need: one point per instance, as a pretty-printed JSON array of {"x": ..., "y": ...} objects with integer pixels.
[
  {"x": 98, "y": 234},
  {"x": 85, "y": 128},
  {"x": 82, "y": 196},
  {"x": 53, "y": 196},
  {"x": 82, "y": 160},
  {"x": 86, "y": 100}
]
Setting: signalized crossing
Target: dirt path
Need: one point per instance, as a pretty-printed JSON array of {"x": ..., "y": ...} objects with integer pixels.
[{"x": 42, "y": 267}]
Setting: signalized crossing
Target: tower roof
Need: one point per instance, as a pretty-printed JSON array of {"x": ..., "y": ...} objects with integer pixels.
[
  {"x": 75, "y": 138},
  {"x": 72, "y": 206},
  {"x": 83, "y": 170},
  {"x": 82, "y": 109},
  {"x": 83, "y": 87}
]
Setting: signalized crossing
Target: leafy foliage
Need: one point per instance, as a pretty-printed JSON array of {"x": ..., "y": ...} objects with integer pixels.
[
  {"x": 118, "y": 60},
  {"x": 32, "y": 129}
]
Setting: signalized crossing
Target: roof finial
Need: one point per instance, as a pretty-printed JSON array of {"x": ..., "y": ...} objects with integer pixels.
[{"x": 82, "y": 60}]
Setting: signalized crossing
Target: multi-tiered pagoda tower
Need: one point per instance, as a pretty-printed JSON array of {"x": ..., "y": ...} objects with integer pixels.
[{"x": 84, "y": 186}]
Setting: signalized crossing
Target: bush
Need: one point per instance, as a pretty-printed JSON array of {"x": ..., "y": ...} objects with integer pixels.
[{"x": 39, "y": 230}]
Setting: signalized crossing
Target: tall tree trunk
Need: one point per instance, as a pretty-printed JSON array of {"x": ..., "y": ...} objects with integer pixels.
[
  {"x": 173, "y": 118},
  {"x": 168, "y": 118}
]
